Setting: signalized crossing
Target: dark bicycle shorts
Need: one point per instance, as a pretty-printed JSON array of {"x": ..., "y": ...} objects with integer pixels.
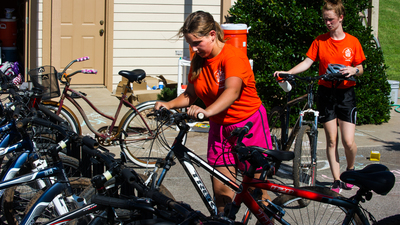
[{"x": 335, "y": 103}]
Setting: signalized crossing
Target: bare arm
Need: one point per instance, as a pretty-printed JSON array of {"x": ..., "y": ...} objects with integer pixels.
[
  {"x": 299, "y": 68},
  {"x": 233, "y": 86},
  {"x": 184, "y": 100}
]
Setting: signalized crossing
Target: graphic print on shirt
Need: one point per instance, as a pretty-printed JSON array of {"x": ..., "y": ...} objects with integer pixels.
[
  {"x": 220, "y": 78},
  {"x": 348, "y": 54}
]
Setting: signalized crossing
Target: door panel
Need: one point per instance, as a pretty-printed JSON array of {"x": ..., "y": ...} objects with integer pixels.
[{"x": 80, "y": 25}]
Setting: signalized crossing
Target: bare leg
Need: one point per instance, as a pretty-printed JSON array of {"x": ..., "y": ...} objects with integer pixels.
[
  {"x": 347, "y": 131},
  {"x": 265, "y": 194},
  {"x": 331, "y": 133},
  {"x": 223, "y": 194}
]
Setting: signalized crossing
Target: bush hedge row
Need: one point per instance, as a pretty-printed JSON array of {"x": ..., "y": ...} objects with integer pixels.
[{"x": 280, "y": 35}]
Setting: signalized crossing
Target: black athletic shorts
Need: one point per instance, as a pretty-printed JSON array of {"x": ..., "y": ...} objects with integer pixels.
[{"x": 335, "y": 103}]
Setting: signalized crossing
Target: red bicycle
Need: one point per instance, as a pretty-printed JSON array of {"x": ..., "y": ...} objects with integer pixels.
[{"x": 305, "y": 205}]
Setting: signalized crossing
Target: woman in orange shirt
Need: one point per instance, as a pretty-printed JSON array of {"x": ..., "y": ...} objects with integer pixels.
[
  {"x": 336, "y": 103},
  {"x": 221, "y": 76}
]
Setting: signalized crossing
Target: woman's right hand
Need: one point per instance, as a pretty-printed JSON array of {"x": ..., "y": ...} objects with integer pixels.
[
  {"x": 158, "y": 105},
  {"x": 276, "y": 74}
]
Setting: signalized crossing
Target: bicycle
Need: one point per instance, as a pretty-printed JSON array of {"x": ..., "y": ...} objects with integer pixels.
[
  {"x": 61, "y": 193},
  {"x": 146, "y": 206},
  {"x": 135, "y": 132},
  {"x": 305, "y": 131},
  {"x": 349, "y": 208}
]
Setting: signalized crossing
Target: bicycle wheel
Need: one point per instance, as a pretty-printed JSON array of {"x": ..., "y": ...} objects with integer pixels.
[
  {"x": 391, "y": 220},
  {"x": 304, "y": 171},
  {"x": 66, "y": 115},
  {"x": 16, "y": 199},
  {"x": 274, "y": 118},
  {"x": 79, "y": 185},
  {"x": 140, "y": 145},
  {"x": 315, "y": 212}
]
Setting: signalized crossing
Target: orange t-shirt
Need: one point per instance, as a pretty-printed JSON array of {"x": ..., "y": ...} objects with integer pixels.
[
  {"x": 209, "y": 85},
  {"x": 326, "y": 50}
]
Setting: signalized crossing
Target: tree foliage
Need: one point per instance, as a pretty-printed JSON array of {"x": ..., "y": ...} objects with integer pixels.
[{"x": 280, "y": 35}]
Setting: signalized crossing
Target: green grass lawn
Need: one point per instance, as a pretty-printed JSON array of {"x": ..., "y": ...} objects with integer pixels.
[{"x": 389, "y": 36}]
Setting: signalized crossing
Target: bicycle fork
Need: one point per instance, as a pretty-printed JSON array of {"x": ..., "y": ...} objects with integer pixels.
[{"x": 313, "y": 133}]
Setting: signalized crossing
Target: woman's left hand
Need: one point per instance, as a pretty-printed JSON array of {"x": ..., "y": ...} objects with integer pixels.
[
  {"x": 194, "y": 110},
  {"x": 349, "y": 70}
]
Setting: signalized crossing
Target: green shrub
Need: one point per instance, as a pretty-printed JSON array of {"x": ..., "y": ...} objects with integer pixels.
[{"x": 280, "y": 35}]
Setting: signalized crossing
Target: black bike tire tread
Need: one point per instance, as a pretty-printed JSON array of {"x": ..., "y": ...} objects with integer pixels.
[
  {"x": 304, "y": 130},
  {"x": 273, "y": 117},
  {"x": 71, "y": 117},
  {"x": 282, "y": 199},
  {"x": 125, "y": 123}
]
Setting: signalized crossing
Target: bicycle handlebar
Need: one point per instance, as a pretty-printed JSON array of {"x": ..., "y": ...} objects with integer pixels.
[{"x": 327, "y": 76}]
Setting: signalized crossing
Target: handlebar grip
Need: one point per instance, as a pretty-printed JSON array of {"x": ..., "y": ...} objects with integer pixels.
[
  {"x": 16, "y": 112},
  {"x": 248, "y": 126},
  {"x": 82, "y": 59},
  {"x": 109, "y": 201},
  {"x": 90, "y": 151},
  {"x": 200, "y": 116},
  {"x": 12, "y": 91},
  {"x": 46, "y": 123},
  {"x": 89, "y": 71},
  {"x": 49, "y": 113},
  {"x": 22, "y": 123},
  {"x": 284, "y": 75},
  {"x": 90, "y": 142},
  {"x": 128, "y": 175}
]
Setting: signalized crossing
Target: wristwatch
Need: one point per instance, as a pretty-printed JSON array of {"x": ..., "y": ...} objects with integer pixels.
[{"x": 357, "y": 71}]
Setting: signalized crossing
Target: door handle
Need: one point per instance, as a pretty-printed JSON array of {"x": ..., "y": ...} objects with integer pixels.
[{"x": 101, "y": 31}]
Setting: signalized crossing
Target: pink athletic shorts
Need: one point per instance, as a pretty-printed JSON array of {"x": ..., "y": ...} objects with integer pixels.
[{"x": 219, "y": 148}]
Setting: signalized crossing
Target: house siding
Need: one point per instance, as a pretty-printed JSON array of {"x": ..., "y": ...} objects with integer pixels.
[{"x": 145, "y": 34}]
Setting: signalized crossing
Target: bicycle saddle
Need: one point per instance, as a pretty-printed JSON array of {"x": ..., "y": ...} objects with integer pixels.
[
  {"x": 134, "y": 75},
  {"x": 279, "y": 155},
  {"x": 375, "y": 177}
]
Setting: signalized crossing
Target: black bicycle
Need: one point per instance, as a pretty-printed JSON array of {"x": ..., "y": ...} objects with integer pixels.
[{"x": 305, "y": 130}]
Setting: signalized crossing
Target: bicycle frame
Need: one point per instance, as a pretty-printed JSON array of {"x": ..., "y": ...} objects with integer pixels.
[
  {"x": 50, "y": 194},
  {"x": 108, "y": 136},
  {"x": 187, "y": 159}
]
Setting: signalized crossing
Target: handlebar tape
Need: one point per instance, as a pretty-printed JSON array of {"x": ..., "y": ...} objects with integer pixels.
[
  {"x": 89, "y": 71},
  {"x": 82, "y": 59}
]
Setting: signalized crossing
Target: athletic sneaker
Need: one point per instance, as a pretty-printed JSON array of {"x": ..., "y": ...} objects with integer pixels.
[
  {"x": 349, "y": 186},
  {"x": 338, "y": 185}
]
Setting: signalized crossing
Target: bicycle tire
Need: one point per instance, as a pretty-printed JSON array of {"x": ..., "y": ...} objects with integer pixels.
[
  {"x": 79, "y": 186},
  {"x": 16, "y": 199},
  {"x": 142, "y": 149},
  {"x": 274, "y": 118},
  {"x": 391, "y": 220},
  {"x": 315, "y": 212},
  {"x": 304, "y": 171},
  {"x": 67, "y": 115}
]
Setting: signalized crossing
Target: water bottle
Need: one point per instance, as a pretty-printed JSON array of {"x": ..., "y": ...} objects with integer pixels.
[
  {"x": 160, "y": 85},
  {"x": 286, "y": 86}
]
